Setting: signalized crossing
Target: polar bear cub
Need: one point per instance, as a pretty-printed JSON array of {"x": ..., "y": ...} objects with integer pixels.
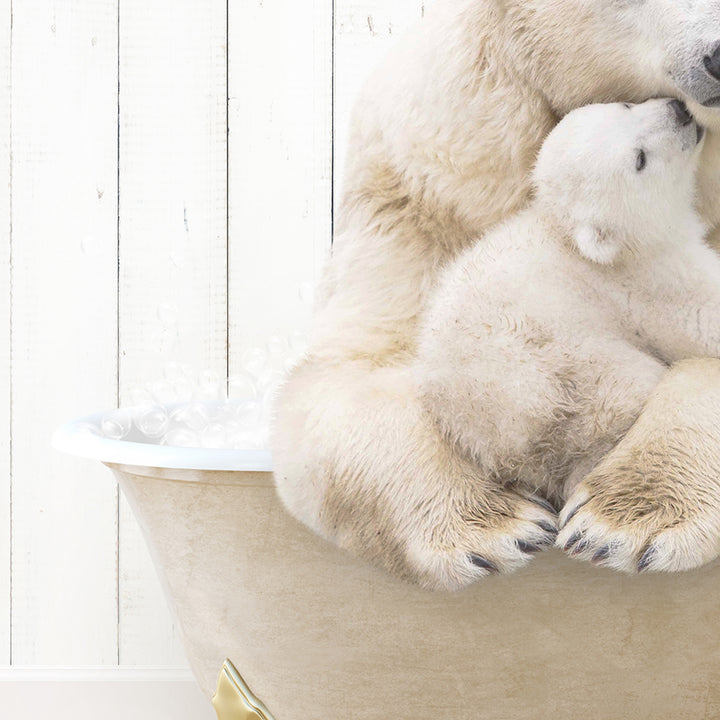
[{"x": 544, "y": 341}]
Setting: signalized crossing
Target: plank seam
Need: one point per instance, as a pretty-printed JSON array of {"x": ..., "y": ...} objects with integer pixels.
[
  {"x": 10, "y": 408},
  {"x": 227, "y": 188},
  {"x": 118, "y": 348},
  {"x": 332, "y": 129}
]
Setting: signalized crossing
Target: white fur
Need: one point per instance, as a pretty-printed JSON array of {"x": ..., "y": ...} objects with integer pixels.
[
  {"x": 539, "y": 350},
  {"x": 442, "y": 144}
]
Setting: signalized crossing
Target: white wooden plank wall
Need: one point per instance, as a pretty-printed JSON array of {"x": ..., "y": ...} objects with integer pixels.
[
  {"x": 5, "y": 332},
  {"x": 64, "y": 309},
  {"x": 172, "y": 176},
  {"x": 364, "y": 32},
  {"x": 280, "y": 113},
  {"x": 173, "y": 244}
]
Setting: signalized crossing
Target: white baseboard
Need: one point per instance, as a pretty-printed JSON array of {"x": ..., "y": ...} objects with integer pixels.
[{"x": 110, "y": 693}]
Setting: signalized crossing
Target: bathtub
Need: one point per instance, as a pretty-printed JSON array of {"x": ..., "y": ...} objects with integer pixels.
[{"x": 281, "y": 625}]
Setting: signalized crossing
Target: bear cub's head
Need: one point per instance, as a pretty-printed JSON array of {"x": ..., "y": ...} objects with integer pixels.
[{"x": 618, "y": 179}]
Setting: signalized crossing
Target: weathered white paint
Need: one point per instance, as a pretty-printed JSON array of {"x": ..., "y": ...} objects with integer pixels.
[
  {"x": 364, "y": 32},
  {"x": 64, "y": 296},
  {"x": 173, "y": 229},
  {"x": 5, "y": 493},
  {"x": 280, "y": 84},
  {"x": 171, "y": 303},
  {"x": 107, "y": 693}
]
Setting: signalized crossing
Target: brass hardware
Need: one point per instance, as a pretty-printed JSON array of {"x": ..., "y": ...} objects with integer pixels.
[{"x": 233, "y": 699}]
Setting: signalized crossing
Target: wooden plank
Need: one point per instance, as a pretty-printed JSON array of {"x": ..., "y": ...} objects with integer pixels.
[
  {"x": 173, "y": 230},
  {"x": 64, "y": 350},
  {"x": 364, "y": 32},
  {"x": 107, "y": 693},
  {"x": 5, "y": 277},
  {"x": 280, "y": 112}
]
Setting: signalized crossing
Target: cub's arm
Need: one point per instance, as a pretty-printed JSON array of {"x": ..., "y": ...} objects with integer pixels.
[{"x": 679, "y": 315}]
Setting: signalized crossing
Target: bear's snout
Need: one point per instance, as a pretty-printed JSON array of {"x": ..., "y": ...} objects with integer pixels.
[
  {"x": 682, "y": 114},
  {"x": 712, "y": 63}
]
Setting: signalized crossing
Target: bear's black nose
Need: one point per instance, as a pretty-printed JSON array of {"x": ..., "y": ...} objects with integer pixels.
[
  {"x": 681, "y": 112},
  {"x": 712, "y": 63}
]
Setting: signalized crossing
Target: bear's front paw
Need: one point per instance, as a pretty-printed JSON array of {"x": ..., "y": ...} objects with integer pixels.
[
  {"x": 638, "y": 528},
  {"x": 499, "y": 536},
  {"x": 653, "y": 503}
]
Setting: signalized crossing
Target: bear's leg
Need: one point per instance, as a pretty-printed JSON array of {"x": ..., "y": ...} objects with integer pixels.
[
  {"x": 360, "y": 461},
  {"x": 654, "y": 502}
]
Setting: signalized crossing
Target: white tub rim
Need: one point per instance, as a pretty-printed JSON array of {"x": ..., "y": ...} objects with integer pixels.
[{"x": 73, "y": 438}]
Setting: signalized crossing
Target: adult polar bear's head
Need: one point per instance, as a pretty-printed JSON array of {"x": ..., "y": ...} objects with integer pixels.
[
  {"x": 617, "y": 178},
  {"x": 582, "y": 51}
]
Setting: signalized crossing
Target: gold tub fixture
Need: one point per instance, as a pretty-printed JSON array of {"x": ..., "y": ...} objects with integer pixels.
[{"x": 233, "y": 699}]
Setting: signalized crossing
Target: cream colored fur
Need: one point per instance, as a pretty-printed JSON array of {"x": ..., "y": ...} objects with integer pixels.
[
  {"x": 441, "y": 148},
  {"x": 538, "y": 352}
]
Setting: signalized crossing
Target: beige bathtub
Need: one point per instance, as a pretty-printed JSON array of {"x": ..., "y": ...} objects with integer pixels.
[{"x": 319, "y": 635}]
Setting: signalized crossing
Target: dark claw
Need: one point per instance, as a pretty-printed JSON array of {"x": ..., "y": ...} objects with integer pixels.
[
  {"x": 547, "y": 541},
  {"x": 543, "y": 503},
  {"x": 574, "y": 538},
  {"x": 481, "y": 562},
  {"x": 646, "y": 560},
  {"x": 573, "y": 512},
  {"x": 528, "y": 547},
  {"x": 547, "y": 527},
  {"x": 602, "y": 554},
  {"x": 581, "y": 547}
]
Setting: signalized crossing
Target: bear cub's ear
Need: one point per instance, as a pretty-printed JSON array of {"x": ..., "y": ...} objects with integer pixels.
[{"x": 596, "y": 245}]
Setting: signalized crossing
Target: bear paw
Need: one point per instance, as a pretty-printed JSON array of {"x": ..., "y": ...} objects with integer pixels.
[
  {"x": 637, "y": 531},
  {"x": 497, "y": 537}
]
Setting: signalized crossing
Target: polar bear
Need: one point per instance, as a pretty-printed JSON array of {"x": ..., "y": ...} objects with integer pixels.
[
  {"x": 442, "y": 143},
  {"x": 543, "y": 342}
]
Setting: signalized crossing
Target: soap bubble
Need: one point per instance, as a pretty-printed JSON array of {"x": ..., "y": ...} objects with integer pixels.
[
  {"x": 211, "y": 387},
  {"x": 88, "y": 428},
  {"x": 195, "y": 415},
  {"x": 233, "y": 412},
  {"x": 214, "y": 436},
  {"x": 247, "y": 414},
  {"x": 247, "y": 440},
  {"x": 306, "y": 293},
  {"x": 241, "y": 387},
  {"x": 152, "y": 421},
  {"x": 181, "y": 437},
  {"x": 225, "y": 412},
  {"x": 163, "y": 392},
  {"x": 209, "y": 392},
  {"x": 241, "y": 440},
  {"x": 262, "y": 438},
  {"x": 116, "y": 424},
  {"x": 270, "y": 379},
  {"x": 183, "y": 388},
  {"x": 277, "y": 346},
  {"x": 253, "y": 360},
  {"x": 140, "y": 395},
  {"x": 268, "y": 399},
  {"x": 232, "y": 427},
  {"x": 174, "y": 372}
]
